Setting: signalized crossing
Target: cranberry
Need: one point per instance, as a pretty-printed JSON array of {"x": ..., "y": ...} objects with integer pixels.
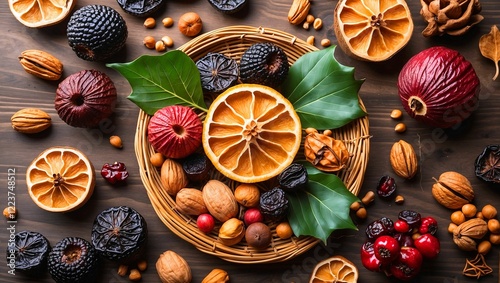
[
  {"x": 205, "y": 222},
  {"x": 411, "y": 217},
  {"x": 386, "y": 249},
  {"x": 401, "y": 226},
  {"x": 428, "y": 225},
  {"x": 428, "y": 245},
  {"x": 252, "y": 215},
  {"x": 386, "y": 186},
  {"x": 407, "y": 265},
  {"x": 368, "y": 258},
  {"x": 114, "y": 173},
  {"x": 379, "y": 227}
]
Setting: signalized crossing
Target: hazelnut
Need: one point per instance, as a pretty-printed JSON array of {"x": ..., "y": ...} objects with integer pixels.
[
  {"x": 160, "y": 46},
  {"x": 457, "y": 217},
  {"x": 310, "y": 18},
  {"x": 396, "y": 114},
  {"x": 399, "y": 199},
  {"x": 142, "y": 265},
  {"x": 325, "y": 42},
  {"x": 169, "y": 42},
  {"x": 484, "y": 247},
  {"x": 362, "y": 213},
  {"x": 400, "y": 128},
  {"x": 190, "y": 24},
  {"x": 116, "y": 141},
  {"x": 10, "y": 213},
  {"x": 355, "y": 206},
  {"x": 157, "y": 159},
  {"x": 469, "y": 210},
  {"x": 451, "y": 227},
  {"x": 489, "y": 211},
  {"x": 310, "y": 40},
  {"x": 167, "y": 22},
  {"x": 317, "y": 24},
  {"x": 494, "y": 226},
  {"x": 122, "y": 270},
  {"x": 149, "y": 23},
  {"x": 494, "y": 239},
  {"x": 305, "y": 25},
  {"x": 368, "y": 198},
  {"x": 134, "y": 275},
  {"x": 149, "y": 42}
]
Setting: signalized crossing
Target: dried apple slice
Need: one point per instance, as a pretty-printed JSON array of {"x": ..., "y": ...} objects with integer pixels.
[
  {"x": 372, "y": 30},
  {"x": 40, "y": 13}
]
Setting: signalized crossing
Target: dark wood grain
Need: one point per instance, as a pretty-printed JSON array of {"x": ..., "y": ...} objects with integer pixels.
[{"x": 439, "y": 150}]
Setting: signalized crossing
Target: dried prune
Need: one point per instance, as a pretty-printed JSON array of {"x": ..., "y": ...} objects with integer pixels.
[
  {"x": 293, "y": 178},
  {"x": 386, "y": 186},
  {"x": 140, "y": 8},
  {"x": 228, "y": 6},
  {"x": 411, "y": 217},
  {"x": 217, "y": 72},
  {"x": 487, "y": 164},
  {"x": 273, "y": 204},
  {"x": 28, "y": 253},
  {"x": 196, "y": 166},
  {"x": 120, "y": 234},
  {"x": 379, "y": 227}
]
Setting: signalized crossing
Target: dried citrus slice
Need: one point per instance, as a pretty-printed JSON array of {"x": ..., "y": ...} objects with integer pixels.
[
  {"x": 335, "y": 269},
  {"x": 41, "y": 13},
  {"x": 372, "y": 30},
  {"x": 251, "y": 133},
  {"x": 60, "y": 179}
]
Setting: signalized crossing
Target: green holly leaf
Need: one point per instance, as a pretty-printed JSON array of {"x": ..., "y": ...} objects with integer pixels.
[
  {"x": 322, "y": 207},
  {"x": 323, "y": 92},
  {"x": 163, "y": 80}
]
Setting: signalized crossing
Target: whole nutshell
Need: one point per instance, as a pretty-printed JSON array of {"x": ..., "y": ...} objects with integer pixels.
[
  {"x": 258, "y": 235},
  {"x": 172, "y": 268},
  {"x": 452, "y": 190},
  {"x": 172, "y": 177},
  {"x": 220, "y": 200}
]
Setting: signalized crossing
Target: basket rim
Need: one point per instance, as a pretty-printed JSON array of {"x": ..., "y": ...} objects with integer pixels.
[{"x": 185, "y": 226}]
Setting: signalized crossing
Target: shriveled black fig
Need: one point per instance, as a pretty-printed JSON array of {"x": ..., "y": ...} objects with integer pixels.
[
  {"x": 217, "y": 72},
  {"x": 196, "y": 166},
  {"x": 28, "y": 253},
  {"x": 141, "y": 8},
  {"x": 293, "y": 178},
  {"x": 228, "y": 6}
]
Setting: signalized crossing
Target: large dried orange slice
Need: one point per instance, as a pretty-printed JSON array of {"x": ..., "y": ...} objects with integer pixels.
[
  {"x": 372, "y": 30},
  {"x": 41, "y": 13},
  {"x": 336, "y": 269},
  {"x": 251, "y": 133},
  {"x": 60, "y": 179}
]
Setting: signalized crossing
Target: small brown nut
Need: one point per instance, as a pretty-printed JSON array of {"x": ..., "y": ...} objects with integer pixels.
[
  {"x": 479, "y": 214},
  {"x": 190, "y": 201},
  {"x": 41, "y": 64},
  {"x": 469, "y": 210},
  {"x": 157, "y": 159},
  {"x": 135, "y": 275},
  {"x": 310, "y": 18},
  {"x": 494, "y": 226},
  {"x": 399, "y": 199},
  {"x": 167, "y": 22},
  {"x": 328, "y": 133},
  {"x": 116, "y": 141},
  {"x": 10, "y": 213},
  {"x": 404, "y": 159},
  {"x": 452, "y": 190},
  {"x": 457, "y": 217},
  {"x": 325, "y": 42},
  {"x": 169, "y": 42},
  {"x": 160, "y": 46},
  {"x": 489, "y": 211},
  {"x": 217, "y": 275},
  {"x": 396, "y": 114},
  {"x": 494, "y": 239},
  {"x": 355, "y": 206},
  {"x": 149, "y": 42},
  {"x": 400, "y": 128},
  {"x": 122, "y": 270},
  {"x": 30, "y": 121},
  {"x": 310, "y": 40},
  {"x": 190, "y": 24},
  {"x": 484, "y": 247},
  {"x": 305, "y": 25},
  {"x": 318, "y": 23},
  {"x": 368, "y": 198},
  {"x": 150, "y": 23},
  {"x": 171, "y": 267},
  {"x": 451, "y": 227},
  {"x": 361, "y": 213},
  {"x": 298, "y": 11},
  {"x": 142, "y": 265}
]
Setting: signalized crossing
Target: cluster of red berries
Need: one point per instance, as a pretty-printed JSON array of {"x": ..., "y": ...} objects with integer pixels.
[{"x": 398, "y": 248}]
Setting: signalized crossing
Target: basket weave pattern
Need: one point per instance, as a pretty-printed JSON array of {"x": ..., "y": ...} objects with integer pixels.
[{"x": 233, "y": 42}]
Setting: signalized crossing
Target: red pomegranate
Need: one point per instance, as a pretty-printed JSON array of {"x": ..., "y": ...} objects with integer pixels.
[{"x": 439, "y": 87}]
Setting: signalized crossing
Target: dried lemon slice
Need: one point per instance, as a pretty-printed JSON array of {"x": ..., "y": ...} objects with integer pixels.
[
  {"x": 60, "y": 179},
  {"x": 251, "y": 133},
  {"x": 40, "y": 13},
  {"x": 372, "y": 30},
  {"x": 335, "y": 269}
]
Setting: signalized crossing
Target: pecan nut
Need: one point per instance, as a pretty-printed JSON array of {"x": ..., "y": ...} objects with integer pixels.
[
  {"x": 404, "y": 159},
  {"x": 41, "y": 64},
  {"x": 30, "y": 120},
  {"x": 299, "y": 11},
  {"x": 465, "y": 233},
  {"x": 452, "y": 190}
]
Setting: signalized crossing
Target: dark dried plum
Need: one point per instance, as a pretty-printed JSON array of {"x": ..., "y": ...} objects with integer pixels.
[
  {"x": 379, "y": 227},
  {"x": 386, "y": 186},
  {"x": 217, "y": 72},
  {"x": 196, "y": 166},
  {"x": 73, "y": 260},
  {"x": 411, "y": 217},
  {"x": 273, "y": 204},
  {"x": 28, "y": 252},
  {"x": 264, "y": 63},
  {"x": 293, "y": 178},
  {"x": 487, "y": 164},
  {"x": 120, "y": 234},
  {"x": 140, "y": 8},
  {"x": 228, "y": 6}
]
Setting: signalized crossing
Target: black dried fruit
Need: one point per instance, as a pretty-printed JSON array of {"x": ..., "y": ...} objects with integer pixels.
[
  {"x": 197, "y": 167},
  {"x": 140, "y": 8},
  {"x": 411, "y": 217},
  {"x": 217, "y": 72},
  {"x": 264, "y": 63},
  {"x": 273, "y": 204},
  {"x": 120, "y": 234},
  {"x": 386, "y": 186},
  {"x": 28, "y": 253},
  {"x": 96, "y": 32},
  {"x": 73, "y": 260},
  {"x": 379, "y": 227},
  {"x": 228, "y": 6},
  {"x": 293, "y": 178},
  {"x": 487, "y": 164}
]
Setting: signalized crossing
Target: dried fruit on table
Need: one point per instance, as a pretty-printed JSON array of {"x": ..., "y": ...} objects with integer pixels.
[
  {"x": 172, "y": 177},
  {"x": 489, "y": 45},
  {"x": 30, "y": 250},
  {"x": 452, "y": 190},
  {"x": 220, "y": 200},
  {"x": 439, "y": 87},
  {"x": 39, "y": 14},
  {"x": 172, "y": 268},
  {"x": 325, "y": 152},
  {"x": 386, "y": 186},
  {"x": 60, "y": 179},
  {"x": 231, "y": 232},
  {"x": 73, "y": 259},
  {"x": 404, "y": 159},
  {"x": 190, "y": 201},
  {"x": 264, "y": 63},
  {"x": 372, "y": 30},
  {"x": 30, "y": 120},
  {"x": 120, "y": 234},
  {"x": 217, "y": 275},
  {"x": 228, "y": 6},
  {"x": 141, "y": 8},
  {"x": 86, "y": 98},
  {"x": 335, "y": 269},
  {"x": 115, "y": 173},
  {"x": 96, "y": 32},
  {"x": 454, "y": 17},
  {"x": 190, "y": 24},
  {"x": 299, "y": 11},
  {"x": 41, "y": 64},
  {"x": 251, "y": 133},
  {"x": 217, "y": 72}
]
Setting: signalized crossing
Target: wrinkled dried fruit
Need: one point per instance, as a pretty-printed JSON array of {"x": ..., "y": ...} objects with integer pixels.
[
  {"x": 293, "y": 178},
  {"x": 30, "y": 251},
  {"x": 247, "y": 195},
  {"x": 452, "y": 190},
  {"x": 172, "y": 268},
  {"x": 386, "y": 186},
  {"x": 30, "y": 120},
  {"x": 197, "y": 167},
  {"x": 228, "y": 6},
  {"x": 220, "y": 200},
  {"x": 140, "y": 8},
  {"x": 274, "y": 204},
  {"x": 404, "y": 159},
  {"x": 487, "y": 165},
  {"x": 172, "y": 176},
  {"x": 217, "y": 72},
  {"x": 325, "y": 152},
  {"x": 115, "y": 173},
  {"x": 264, "y": 63},
  {"x": 41, "y": 64}
]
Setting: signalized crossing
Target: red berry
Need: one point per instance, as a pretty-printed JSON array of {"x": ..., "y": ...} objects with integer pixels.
[
  {"x": 252, "y": 215},
  {"x": 386, "y": 248},
  {"x": 386, "y": 186},
  {"x": 428, "y": 245},
  {"x": 407, "y": 265},
  {"x": 428, "y": 225},
  {"x": 205, "y": 222},
  {"x": 368, "y": 258},
  {"x": 401, "y": 226}
]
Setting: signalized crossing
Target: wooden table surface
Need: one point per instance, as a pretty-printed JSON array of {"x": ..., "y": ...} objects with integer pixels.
[{"x": 439, "y": 150}]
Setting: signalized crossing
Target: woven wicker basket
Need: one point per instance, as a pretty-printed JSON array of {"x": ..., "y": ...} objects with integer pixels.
[{"x": 233, "y": 41}]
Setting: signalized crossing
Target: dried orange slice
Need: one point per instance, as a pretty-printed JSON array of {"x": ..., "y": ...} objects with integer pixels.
[
  {"x": 41, "y": 13},
  {"x": 251, "y": 133},
  {"x": 335, "y": 269},
  {"x": 60, "y": 179},
  {"x": 372, "y": 30}
]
